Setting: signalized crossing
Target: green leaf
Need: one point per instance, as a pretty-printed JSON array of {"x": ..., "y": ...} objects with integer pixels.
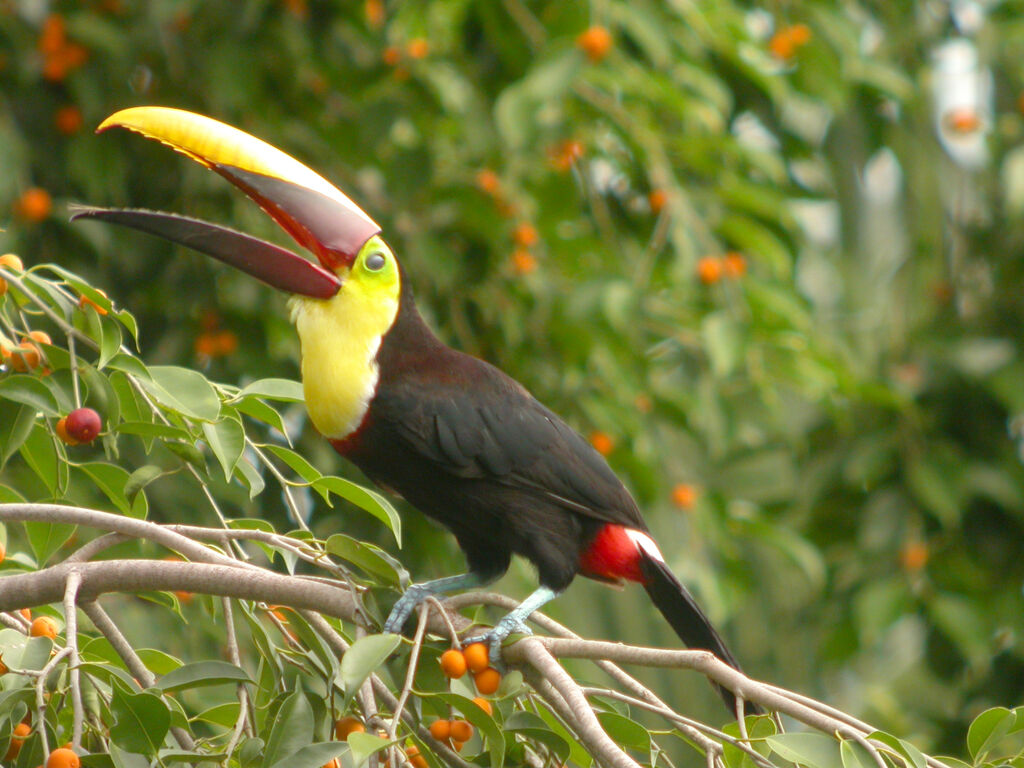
[
  {"x": 285, "y": 390},
  {"x": 533, "y": 727},
  {"x": 139, "y": 479},
  {"x": 313, "y": 755},
  {"x": 202, "y": 673},
  {"x": 149, "y": 429},
  {"x": 251, "y": 476},
  {"x": 814, "y": 750},
  {"x": 16, "y": 422},
  {"x": 184, "y": 391},
  {"x": 370, "y": 558},
  {"x": 363, "y": 745},
  {"x": 297, "y": 463},
  {"x": 487, "y": 725},
  {"x": 40, "y": 454},
  {"x": 142, "y": 721},
  {"x": 224, "y": 715},
  {"x": 988, "y": 728},
  {"x": 112, "y": 480},
  {"x": 292, "y": 729},
  {"x": 47, "y": 538},
  {"x": 853, "y": 755},
  {"x": 913, "y": 756},
  {"x": 364, "y": 657},
  {"x": 260, "y": 411},
  {"x": 625, "y": 731},
  {"x": 365, "y": 499},
  {"x": 158, "y": 662},
  {"x": 226, "y": 439},
  {"x": 30, "y": 391}
]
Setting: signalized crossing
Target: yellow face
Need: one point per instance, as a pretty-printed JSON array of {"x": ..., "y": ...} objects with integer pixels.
[{"x": 340, "y": 337}]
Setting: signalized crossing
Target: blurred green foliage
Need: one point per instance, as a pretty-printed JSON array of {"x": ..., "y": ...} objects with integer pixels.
[{"x": 824, "y": 429}]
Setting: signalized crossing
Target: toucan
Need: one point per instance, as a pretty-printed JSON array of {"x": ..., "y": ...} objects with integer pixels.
[{"x": 459, "y": 439}]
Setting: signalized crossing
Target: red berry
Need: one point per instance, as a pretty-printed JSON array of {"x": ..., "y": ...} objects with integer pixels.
[{"x": 83, "y": 424}]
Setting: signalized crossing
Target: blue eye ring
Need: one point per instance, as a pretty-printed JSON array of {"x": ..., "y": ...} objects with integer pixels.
[{"x": 375, "y": 261}]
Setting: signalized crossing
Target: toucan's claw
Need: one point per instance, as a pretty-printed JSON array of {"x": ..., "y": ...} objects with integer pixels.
[{"x": 508, "y": 626}]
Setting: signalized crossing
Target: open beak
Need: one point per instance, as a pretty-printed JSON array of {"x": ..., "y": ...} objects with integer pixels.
[{"x": 313, "y": 211}]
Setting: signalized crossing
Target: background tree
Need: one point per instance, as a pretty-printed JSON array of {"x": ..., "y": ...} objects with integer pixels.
[{"x": 764, "y": 257}]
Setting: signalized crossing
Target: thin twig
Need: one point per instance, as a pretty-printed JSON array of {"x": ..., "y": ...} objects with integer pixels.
[
  {"x": 41, "y": 693},
  {"x": 74, "y": 580},
  {"x": 410, "y": 672}
]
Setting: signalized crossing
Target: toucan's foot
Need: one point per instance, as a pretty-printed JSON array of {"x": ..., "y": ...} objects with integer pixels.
[
  {"x": 414, "y": 595},
  {"x": 508, "y": 626},
  {"x": 417, "y": 593}
]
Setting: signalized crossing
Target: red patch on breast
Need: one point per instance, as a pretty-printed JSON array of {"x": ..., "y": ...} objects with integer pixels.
[{"x": 612, "y": 555}]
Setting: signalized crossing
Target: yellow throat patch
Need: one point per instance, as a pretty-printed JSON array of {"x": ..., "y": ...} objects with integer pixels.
[{"x": 340, "y": 337}]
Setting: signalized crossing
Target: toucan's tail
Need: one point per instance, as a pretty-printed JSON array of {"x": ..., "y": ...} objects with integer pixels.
[{"x": 685, "y": 616}]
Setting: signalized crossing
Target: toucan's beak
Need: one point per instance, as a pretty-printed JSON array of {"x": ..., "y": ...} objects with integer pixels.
[{"x": 312, "y": 210}]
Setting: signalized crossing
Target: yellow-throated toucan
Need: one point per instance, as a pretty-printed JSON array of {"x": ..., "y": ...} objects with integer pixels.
[{"x": 460, "y": 440}]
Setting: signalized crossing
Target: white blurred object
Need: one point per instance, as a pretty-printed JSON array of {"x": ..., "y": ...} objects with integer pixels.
[{"x": 962, "y": 100}]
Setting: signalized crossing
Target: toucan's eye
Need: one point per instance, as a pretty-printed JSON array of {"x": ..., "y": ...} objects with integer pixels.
[{"x": 375, "y": 261}]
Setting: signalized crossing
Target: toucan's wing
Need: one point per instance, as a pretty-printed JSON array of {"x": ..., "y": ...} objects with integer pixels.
[
  {"x": 496, "y": 429},
  {"x": 270, "y": 263}
]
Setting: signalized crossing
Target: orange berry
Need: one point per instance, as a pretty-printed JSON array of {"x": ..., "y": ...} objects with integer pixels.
[
  {"x": 564, "y": 155},
  {"x": 26, "y": 613},
  {"x": 392, "y": 56},
  {"x": 332, "y": 763},
  {"x": 484, "y": 704},
  {"x": 418, "y": 48},
  {"x": 487, "y": 682},
  {"x": 962, "y": 120},
  {"x": 525, "y": 234},
  {"x": 453, "y": 663},
  {"x": 18, "y": 736},
  {"x": 226, "y": 342},
  {"x": 3, "y": 286},
  {"x": 441, "y": 729},
  {"x": 657, "y": 199},
  {"x": 800, "y": 34},
  {"x": 62, "y": 431},
  {"x": 595, "y": 42},
  {"x": 206, "y": 345},
  {"x": 34, "y": 204},
  {"x": 52, "y": 36},
  {"x": 41, "y": 336},
  {"x": 523, "y": 262},
  {"x": 477, "y": 657},
  {"x": 602, "y": 442},
  {"x": 68, "y": 120},
  {"x": 461, "y": 730},
  {"x": 346, "y": 726},
  {"x": 488, "y": 181},
  {"x": 734, "y": 264},
  {"x": 44, "y": 626},
  {"x": 684, "y": 495},
  {"x": 709, "y": 270},
  {"x": 12, "y": 262},
  {"x": 785, "y": 43},
  {"x": 374, "y": 10},
  {"x": 63, "y": 758},
  {"x": 25, "y": 357},
  {"x": 914, "y": 556},
  {"x": 4, "y": 669},
  {"x": 183, "y": 597},
  {"x": 417, "y": 760}
]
